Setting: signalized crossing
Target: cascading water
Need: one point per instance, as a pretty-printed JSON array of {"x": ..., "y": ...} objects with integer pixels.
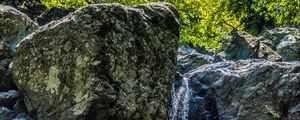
[{"x": 180, "y": 101}]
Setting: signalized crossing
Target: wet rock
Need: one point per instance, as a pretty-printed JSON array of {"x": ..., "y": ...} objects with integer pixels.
[
  {"x": 189, "y": 59},
  {"x": 9, "y": 99},
  {"x": 14, "y": 26},
  {"x": 102, "y": 61},
  {"x": 245, "y": 90},
  {"x": 6, "y": 114},
  {"x": 246, "y": 46},
  {"x": 22, "y": 116}
]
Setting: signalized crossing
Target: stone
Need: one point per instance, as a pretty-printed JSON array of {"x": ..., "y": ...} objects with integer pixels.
[
  {"x": 100, "y": 62},
  {"x": 9, "y": 99},
  {"x": 245, "y": 89},
  {"x": 289, "y": 48},
  {"x": 277, "y": 34},
  {"x": 6, "y": 114},
  {"x": 20, "y": 107},
  {"x": 6, "y": 82},
  {"x": 246, "y": 46},
  {"x": 22, "y": 116},
  {"x": 14, "y": 26},
  {"x": 37, "y": 11},
  {"x": 54, "y": 13},
  {"x": 189, "y": 59},
  {"x": 32, "y": 8}
]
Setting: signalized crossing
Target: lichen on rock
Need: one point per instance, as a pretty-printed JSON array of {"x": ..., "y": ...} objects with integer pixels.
[{"x": 102, "y": 61}]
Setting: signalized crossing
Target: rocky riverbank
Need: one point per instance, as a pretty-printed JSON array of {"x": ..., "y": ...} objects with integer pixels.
[{"x": 110, "y": 61}]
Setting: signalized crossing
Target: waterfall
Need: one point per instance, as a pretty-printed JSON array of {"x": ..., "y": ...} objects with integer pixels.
[{"x": 180, "y": 101}]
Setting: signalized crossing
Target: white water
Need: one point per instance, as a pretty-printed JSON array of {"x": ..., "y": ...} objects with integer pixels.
[{"x": 180, "y": 101}]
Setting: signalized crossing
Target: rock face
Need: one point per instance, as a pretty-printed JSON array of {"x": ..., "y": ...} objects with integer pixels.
[
  {"x": 244, "y": 90},
  {"x": 286, "y": 41},
  {"x": 280, "y": 44},
  {"x": 37, "y": 11},
  {"x": 245, "y": 46},
  {"x": 14, "y": 26},
  {"x": 104, "y": 61},
  {"x": 55, "y": 13},
  {"x": 32, "y": 8},
  {"x": 189, "y": 58}
]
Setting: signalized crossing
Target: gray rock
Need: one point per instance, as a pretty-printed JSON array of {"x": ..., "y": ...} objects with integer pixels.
[
  {"x": 22, "y": 116},
  {"x": 9, "y": 99},
  {"x": 104, "y": 61},
  {"x": 14, "y": 26},
  {"x": 244, "y": 90},
  {"x": 6, "y": 114},
  {"x": 6, "y": 82},
  {"x": 277, "y": 34},
  {"x": 289, "y": 48},
  {"x": 189, "y": 58},
  {"x": 33, "y": 8},
  {"x": 246, "y": 46}
]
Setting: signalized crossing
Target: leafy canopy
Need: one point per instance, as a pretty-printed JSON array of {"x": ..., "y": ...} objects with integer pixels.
[{"x": 207, "y": 23}]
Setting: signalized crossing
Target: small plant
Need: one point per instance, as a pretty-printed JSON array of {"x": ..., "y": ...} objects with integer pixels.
[{"x": 275, "y": 114}]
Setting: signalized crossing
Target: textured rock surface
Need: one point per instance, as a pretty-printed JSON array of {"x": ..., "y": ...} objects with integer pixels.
[
  {"x": 37, "y": 11},
  {"x": 244, "y": 90},
  {"x": 14, "y": 26},
  {"x": 286, "y": 42},
  {"x": 6, "y": 114},
  {"x": 289, "y": 48},
  {"x": 9, "y": 99},
  {"x": 189, "y": 58},
  {"x": 277, "y": 34},
  {"x": 6, "y": 82},
  {"x": 245, "y": 46},
  {"x": 32, "y": 8},
  {"x": 55, "y": 13},
  {"x": 104, "y": 61}
]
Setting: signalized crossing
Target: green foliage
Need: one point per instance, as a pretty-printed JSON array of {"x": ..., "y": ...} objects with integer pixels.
[
  {"x": 258, "y": 15},
  {"x": 275, "y": 114},
  {"x": 65, "y": 3},
  {"x": 207, "y": 23}
]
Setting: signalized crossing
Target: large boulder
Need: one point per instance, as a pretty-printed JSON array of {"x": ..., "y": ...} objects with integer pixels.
[
  {"x": 105, "y": 61},
  {"x": 245, "y": 46},
  {"x": 37, "y": 11},
  {"x": 189, "y": 58},
  {"x": 286, "y": 42},
  {"x": 9, "y": 99},
  {"x": 14, "y": 26},
  {"x": 32, "y": 8},
  {"x": 277, "y": 34},
  {"x": 244, "y": 90},
  {"x": 289, "y": 48}
]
